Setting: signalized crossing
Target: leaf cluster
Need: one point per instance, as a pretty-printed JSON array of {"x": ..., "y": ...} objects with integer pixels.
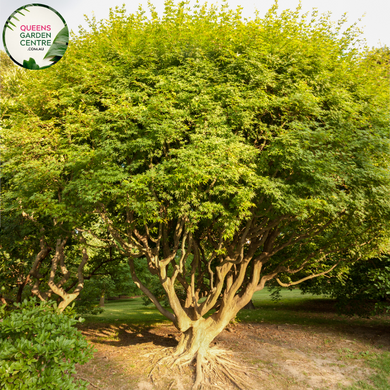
[
  {"x": 362, "y": 288},
  {"x": 39, "y": 348}
]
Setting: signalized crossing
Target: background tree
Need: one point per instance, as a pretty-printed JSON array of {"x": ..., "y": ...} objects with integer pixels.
[
  {"x": 36, "y": 261},
  {"x": 226, "y": 153},
  {"x": 361, "y": 288},
  {"x": 110, "y": 280}
]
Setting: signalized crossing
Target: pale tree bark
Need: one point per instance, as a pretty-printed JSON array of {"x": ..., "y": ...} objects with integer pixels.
[
  {"x": 215, "y": 273},
  {"x": 188, "y": 316},
  {"x": 58, "y": 262},
  {"x": 34, "y": 272}
]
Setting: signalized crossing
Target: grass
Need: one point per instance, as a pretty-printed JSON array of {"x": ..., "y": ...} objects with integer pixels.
[
  {"x": 299, "y": 309},
  {"x": 381, "y": 379},
  {"x": 294, "y": 308},
  {"x": 128, "y": 311},
  {"x": 134, "y": 311}
]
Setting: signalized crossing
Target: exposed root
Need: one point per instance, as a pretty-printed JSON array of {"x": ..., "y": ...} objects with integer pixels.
[
  {"x": 199, "y": 371},
  {"x": 220, "y": 369},
  {"x": 213, "y": 370},
  {"x": 158, "y": 357}
]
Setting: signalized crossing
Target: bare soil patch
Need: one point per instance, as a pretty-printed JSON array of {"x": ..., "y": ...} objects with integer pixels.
[{"x": 283, "y": 357}]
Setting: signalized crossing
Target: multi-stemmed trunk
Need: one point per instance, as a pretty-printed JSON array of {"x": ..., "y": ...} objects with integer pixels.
[
  {"x": 195, "y": 342},
  {"x": 217, "y": 274},
  {"x": 57, "y": 286}
]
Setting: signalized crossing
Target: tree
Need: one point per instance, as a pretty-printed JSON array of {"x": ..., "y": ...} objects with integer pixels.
[
  {"x": 39, "y": 257},
  {"x": 227, "y": 153},
  {"x": 111, "y": 279},
  {"x": 361, "y": 288}
]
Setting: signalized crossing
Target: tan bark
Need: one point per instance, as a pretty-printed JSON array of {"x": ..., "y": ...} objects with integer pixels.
[
  {"x": 234, "y": 269},
  {"x": 147, "y": 292},
  {"x": 68, "y": 298},
  {"x": 58, "y": 261},
  {"x": 194, "y": 345},
  {"x": 197, "y": 338}
]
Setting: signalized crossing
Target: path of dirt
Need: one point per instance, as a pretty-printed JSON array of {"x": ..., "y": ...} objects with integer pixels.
[{"x": 280, "y": 357}]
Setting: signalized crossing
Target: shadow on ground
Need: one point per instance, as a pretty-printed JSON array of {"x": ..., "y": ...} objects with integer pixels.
[{"x": 130, "y": 335}]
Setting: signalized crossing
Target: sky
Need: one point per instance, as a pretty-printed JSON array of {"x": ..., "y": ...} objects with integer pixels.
[{"x": 375, "y": 23}]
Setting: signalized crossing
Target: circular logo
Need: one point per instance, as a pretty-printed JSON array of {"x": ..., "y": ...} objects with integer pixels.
[{"x": 35, "y": 36}]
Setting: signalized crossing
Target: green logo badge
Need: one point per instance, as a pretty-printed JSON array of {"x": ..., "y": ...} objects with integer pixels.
[{"x": 35, "y": 36}]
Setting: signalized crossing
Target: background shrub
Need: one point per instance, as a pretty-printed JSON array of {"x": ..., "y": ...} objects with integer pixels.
[
  {"x": 362, "y": 288},
  {"x": 39, "y": 347}
]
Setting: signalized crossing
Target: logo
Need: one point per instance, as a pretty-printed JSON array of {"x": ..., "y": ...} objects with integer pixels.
[{"x": 35, "y": 36}]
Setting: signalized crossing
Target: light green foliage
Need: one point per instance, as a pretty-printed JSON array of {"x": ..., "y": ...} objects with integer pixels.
[
  {"x": 192, "y": 98},
  {"x": 39, "y": 348},
  {"x": 6, "y": 65},
  {"x": 203, "y": 117}
]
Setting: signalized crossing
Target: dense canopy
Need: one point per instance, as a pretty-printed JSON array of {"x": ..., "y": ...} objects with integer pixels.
[{"x": 225, "y": 152}]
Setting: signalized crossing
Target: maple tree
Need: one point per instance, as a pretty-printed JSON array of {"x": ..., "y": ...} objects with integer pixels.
[{"x": 227, "y": 153}]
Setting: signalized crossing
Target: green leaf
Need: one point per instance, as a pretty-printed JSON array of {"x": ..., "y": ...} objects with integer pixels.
[
  {"x": 30, "y": 64},
  {"x": 59, "y": 46}
]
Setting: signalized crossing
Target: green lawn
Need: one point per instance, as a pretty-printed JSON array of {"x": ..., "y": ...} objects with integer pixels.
[
  {"x": 127, "y": 311},
  {"x": 294, "y": 308},
  {"x": 134, "y": 311},
  {"x": 381, "y": 379}
]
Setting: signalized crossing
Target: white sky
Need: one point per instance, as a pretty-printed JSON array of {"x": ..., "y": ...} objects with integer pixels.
[{"x": 376, "y": 23}]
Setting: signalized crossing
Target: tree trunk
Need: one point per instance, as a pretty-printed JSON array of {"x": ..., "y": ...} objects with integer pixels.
[
  {"x": 101, "y": 302},
  {"x": 196, "y": 339},
  {"x": 194, "y": 345},
  {"x": 21, "y": 288},
  {"x": 3, "y": 301},
  {"x": 66, "y": 300},
  {"x": 249, "y": 306}
]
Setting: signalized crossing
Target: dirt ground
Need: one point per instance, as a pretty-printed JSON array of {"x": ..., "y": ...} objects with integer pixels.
[{"x": 283, "y": 357}]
